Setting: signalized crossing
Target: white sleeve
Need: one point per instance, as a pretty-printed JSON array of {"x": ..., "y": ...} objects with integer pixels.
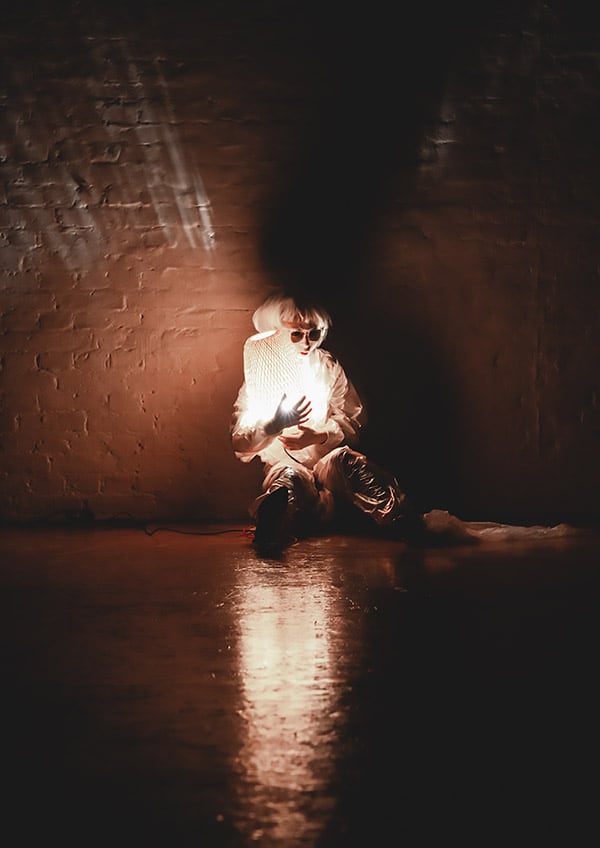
[
  {"x": 248, "y": 437},
  {"x": 346, "y": 414}
]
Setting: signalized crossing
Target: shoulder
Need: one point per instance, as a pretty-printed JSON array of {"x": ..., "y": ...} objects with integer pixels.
[
  {"x": 330, "y": 367},
  {"x": 328, "y": 360}
]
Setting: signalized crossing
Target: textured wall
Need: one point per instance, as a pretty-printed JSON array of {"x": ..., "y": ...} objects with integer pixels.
[{"x": 435, "y": 182}]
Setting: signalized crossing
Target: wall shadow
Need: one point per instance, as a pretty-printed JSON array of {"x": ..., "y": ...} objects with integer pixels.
[
  {"x": 383, "y": 78},
  {"x": 386, "y": 78}
]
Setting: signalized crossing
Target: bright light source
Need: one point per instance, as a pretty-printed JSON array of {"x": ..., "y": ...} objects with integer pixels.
[{"x": 273, "y": 367}]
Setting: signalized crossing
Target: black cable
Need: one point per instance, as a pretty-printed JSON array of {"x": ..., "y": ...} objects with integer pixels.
[
  {"x": 293, "y": 458},
  {"x": 80, "y": 518},
  {"x": 177, "y": 530},
  {"x": 195, "y": 532}
]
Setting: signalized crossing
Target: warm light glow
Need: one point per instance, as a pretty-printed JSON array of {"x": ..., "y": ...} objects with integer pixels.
[
  {"x": 290, "y": 696},
  {"x": 299, "y": 648},
  {"x": 273, "y": 367}
]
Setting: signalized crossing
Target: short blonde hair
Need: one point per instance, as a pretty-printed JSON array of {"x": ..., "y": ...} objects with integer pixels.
[{"x": 280, "y": 309}]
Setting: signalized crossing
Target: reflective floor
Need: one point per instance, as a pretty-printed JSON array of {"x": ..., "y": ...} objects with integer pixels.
[{"x": 171, "y": 688}]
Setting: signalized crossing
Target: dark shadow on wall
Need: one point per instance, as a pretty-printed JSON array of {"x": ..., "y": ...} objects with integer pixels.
[
  {"x": 386, "y": 77},
  {"x": 412, "y": 405},
  {"x": 412, "y": 428},
  {"x": 382, "y": 79}
]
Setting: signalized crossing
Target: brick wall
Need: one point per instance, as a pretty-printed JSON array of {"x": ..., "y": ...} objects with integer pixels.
[{"x": 436, "y": 183}]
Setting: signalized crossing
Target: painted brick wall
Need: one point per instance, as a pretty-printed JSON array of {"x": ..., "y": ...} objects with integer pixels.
[{"x": 163, "y": 168}]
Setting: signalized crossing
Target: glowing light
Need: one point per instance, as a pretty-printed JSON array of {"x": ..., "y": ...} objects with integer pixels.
[{"x": 274, "y": 367}]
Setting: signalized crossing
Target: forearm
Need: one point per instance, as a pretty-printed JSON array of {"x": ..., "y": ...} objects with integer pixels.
[{"x": 251, "y": 440}]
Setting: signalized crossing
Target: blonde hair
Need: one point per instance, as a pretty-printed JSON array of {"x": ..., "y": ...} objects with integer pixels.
[{"x": 278, "y": 309}]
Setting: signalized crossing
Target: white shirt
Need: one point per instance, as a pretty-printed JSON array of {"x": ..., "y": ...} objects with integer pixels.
[{"x": 337, "y": 411}]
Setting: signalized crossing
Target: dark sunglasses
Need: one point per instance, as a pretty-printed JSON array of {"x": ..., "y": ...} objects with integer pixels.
[{"x": 312, "y": 335}]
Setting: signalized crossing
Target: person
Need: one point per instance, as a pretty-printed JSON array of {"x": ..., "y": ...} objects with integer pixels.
[{"x": 314, "y": 473}]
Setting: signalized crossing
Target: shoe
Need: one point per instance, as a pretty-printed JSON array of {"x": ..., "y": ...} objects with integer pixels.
[{"x": 271, "y": 535}]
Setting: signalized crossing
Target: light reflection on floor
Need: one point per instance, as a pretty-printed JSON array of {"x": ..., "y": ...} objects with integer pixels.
[
  {"x": 290, "y": 691},
  {"x": 178, "y": 690},
  {"x": 294, "y": 666}
]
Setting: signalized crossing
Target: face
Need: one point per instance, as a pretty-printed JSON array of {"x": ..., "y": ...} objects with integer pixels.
[{"x": 304, "y": 337}]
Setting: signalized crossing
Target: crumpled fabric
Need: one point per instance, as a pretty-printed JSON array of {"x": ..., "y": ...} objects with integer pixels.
[
  {"x": 308, "y": 507},
  {"x": 344, "y": 477},
  {"x": 352, "y": 478},
  {"x": 439, "y": 522}
]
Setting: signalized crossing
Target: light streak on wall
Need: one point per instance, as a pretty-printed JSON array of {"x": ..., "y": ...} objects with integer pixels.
[{"x": 90, "y": 189}]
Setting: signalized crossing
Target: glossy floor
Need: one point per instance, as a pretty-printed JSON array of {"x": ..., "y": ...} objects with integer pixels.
[{"x": 172, "y": 688}]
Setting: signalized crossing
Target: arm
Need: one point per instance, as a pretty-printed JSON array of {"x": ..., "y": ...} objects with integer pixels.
[{"x": 346, "y": 411}]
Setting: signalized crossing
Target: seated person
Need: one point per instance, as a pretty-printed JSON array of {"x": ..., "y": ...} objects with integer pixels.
[{"x": 307, "y": 444}]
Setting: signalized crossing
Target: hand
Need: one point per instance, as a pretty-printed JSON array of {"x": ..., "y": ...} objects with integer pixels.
[
  {"x": 306, "y": 437},
  {"x": 289, "y": 416}
]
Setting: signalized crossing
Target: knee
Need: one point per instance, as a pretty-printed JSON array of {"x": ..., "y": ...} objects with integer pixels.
[
  {"x": 344, "y": 457},
  {"x": 300, "y": 485},
  {"x": 348, "y": 460},
  {"x": 334, "y": 470}
]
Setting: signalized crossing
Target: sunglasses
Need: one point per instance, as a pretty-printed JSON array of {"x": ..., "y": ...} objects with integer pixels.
[{"x": 312, "y": 335}]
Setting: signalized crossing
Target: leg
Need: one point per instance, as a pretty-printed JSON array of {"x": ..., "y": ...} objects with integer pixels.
[
  {"x": 354, "y": 480},
  {"x": 287, "y": 509}
]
